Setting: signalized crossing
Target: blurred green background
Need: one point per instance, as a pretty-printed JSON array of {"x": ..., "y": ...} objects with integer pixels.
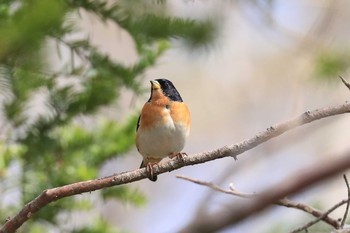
[
  {"x": 74, "y": 75},
  {"x": 44, "y": 141}
]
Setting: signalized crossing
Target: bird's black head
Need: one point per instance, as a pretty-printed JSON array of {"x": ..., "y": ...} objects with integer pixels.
[{"x": 167, "y": 88}]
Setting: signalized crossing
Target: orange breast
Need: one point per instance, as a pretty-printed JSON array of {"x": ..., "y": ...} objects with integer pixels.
[
  {"x": 180, "y": 113},
  {"x": 153, "y": 112}
]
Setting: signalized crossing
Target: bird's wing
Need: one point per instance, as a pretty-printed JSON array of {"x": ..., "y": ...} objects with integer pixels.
[{"x": 138, "y": 123}]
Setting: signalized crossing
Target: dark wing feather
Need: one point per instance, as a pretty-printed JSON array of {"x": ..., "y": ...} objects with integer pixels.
[
  {"x": 138, "y": 123},
  {"x": 142, "y": 164}
]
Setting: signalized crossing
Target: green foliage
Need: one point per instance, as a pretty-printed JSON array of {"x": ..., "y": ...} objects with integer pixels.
[
  {"x": 125, "y": 194},
  {"x": 331, "y": 64},
  {"x": 147, "y": 27},
  {"x": 23, "y": 30},
  {"x": 44, "y": 144},
  {"x": 99, "y": 226}
]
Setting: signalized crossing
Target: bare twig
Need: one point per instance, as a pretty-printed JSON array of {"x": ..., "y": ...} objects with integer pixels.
[
  {"x": 322, "y": 217},
  {"x": 217, "y": 188},
  {"x": 55, "y": 194},
  {"x": 282, "y": 202},
  {"x": 219, "y": 220},
  {"x": 345, "y": 82},
  {"x": 347, "y": 204}
]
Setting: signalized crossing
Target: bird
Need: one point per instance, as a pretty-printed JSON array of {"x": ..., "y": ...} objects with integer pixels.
[{"x": 163, "y": 126}]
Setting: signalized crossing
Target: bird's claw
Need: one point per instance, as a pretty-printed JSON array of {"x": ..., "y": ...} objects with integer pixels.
[
  {"x": 150, "y": 172},
  {"x": 180, "y": 156}
]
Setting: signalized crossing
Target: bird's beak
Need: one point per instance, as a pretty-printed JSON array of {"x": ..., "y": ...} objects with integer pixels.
[{"x": 155, "y": 85}]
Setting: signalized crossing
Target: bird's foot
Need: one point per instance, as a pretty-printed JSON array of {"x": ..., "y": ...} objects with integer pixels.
[
  {"x": 179, "y": 156},
  {"x": 150, "y": 172}
]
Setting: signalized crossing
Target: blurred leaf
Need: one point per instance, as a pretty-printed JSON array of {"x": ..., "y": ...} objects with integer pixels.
[
  {"x": 125, "y": 194},
  {"x": 83, "y": 204},
  {"x": 9, "y": 153},
  {"x": 99, "y": 226},
  {"x": 147, "y": 27},
  {"x": 47, "y": 141},
  {"x": 331, "y": 64},
  {"x": 151, "y": 27},
  {"x": 20, "y": 35},
  {"x": 37, "y": 228}
]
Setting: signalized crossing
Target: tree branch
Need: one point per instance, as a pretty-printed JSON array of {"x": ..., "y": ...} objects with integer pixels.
[
  {"x": 217, "y": 188},
  {"x": 282, "y": 202},
  {"x": 345, "y": 82},
  {"x": 55, "y": 194},
  {"x": 314, "y": 212},
  {"x": 321, "y": 217},
  {"x": 347, "y": 204},
  {"x": 239, "y": 211}
]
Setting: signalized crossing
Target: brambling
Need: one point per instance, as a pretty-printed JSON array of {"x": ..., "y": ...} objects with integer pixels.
[{"x": 163, "y": 125}]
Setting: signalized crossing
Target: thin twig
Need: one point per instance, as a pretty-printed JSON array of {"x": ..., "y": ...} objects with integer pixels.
[
  {"x": 54, "y": 194},
  {"x": 217, "y": 188},
  {"x": 345, "y": 82},
  {"x": 282, "y": 202},
  {"x": 347, "y": 204},
  {"x": 309, "y": 224},
  {"x": 310, "y": 210},
  {"x": 234, "y": 213}
]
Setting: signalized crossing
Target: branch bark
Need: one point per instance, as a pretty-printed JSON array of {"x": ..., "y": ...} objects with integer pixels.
[{"x": 55, "y": 194}]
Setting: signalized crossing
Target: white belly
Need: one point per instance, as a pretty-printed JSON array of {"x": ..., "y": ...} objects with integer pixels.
[{"x": 162, "y": 140}]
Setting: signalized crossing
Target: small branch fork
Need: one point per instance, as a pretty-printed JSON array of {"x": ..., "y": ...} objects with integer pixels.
[
  {"x": 284, "y": 202},
  {"x": 322, "y": 217},
  {"x": 345, "y": 82},
  {"x": 348, "y": 203},
  {"x": 325, "y": 215},
  {"x": 55, "y": 194},
  {"x": 231, "y": 191}
]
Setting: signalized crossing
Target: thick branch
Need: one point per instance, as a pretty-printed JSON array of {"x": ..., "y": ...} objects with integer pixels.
[
  {"x": 54, "y": 194},
  {"x": 239, "y": 211}
]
